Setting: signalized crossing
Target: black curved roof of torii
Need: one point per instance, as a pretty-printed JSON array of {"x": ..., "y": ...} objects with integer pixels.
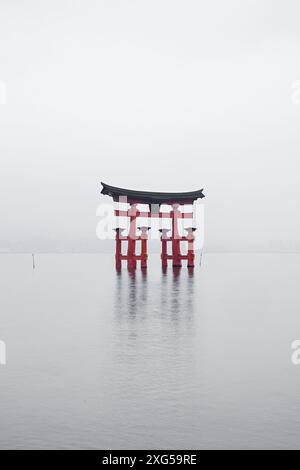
[{"x": 148, "y": 197}]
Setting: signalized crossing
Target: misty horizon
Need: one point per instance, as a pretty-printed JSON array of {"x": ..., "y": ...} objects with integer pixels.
[{"x": 41, "y": 245}]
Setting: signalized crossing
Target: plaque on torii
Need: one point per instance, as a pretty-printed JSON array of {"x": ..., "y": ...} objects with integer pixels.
[{"x": 154, "y": 200}]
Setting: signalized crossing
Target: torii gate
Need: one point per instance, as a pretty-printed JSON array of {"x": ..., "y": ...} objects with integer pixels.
[{"x": 154, "y": 200}]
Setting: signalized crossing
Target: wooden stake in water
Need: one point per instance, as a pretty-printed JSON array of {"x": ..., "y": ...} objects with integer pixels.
[{"x": 33, "y": 262}]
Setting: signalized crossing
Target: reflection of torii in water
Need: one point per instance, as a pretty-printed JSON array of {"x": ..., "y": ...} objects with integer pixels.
[
  {"x": 154, "y": 200},
  {"x": 139, "y": 298}
]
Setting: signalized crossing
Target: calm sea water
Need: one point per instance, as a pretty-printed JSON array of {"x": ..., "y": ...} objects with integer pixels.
[{"x": 175, "y": 360}]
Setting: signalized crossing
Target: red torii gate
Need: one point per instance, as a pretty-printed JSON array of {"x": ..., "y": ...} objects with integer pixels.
[{"x": 154, "y": 200}]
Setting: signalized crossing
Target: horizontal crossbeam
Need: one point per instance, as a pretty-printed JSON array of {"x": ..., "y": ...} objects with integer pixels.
[
  {"x": 150, "y": 215},
  {"x": 181, "y": 257},
  {"x": 169, "y": 239},
  {"x": 134, "y": 257}
]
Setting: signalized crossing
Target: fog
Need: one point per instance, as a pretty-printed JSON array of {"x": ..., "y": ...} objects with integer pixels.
[{"x": 153, "y": 95}]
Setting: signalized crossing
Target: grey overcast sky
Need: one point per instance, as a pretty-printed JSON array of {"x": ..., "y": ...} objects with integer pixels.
[{"x": 151, "y": 94}]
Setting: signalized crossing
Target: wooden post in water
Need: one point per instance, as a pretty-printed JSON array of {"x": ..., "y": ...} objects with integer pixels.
[
  {"x": 176, "y": 254},
  {"x": 164, "y": 249},
  {"x": 119, "y": 248},
  {"x": 144, "y": 238},
  {"x": 191, "y": 252},
  {"x": 131, "y": 261}
]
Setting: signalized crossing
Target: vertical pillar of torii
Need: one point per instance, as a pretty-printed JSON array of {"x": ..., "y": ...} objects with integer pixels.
[
  {"x": 176, "y": 254},
  {"x": 119, "y": 238},
  {"x": 164, "y": 247},
  {"x": 176, "y": 239},
  {"x": 131, "y": 255},
  {"x": 191, "y": 253},
  {"x": 144, "y": 238}
]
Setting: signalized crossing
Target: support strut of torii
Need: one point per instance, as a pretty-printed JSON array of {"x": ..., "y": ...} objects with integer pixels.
[{"x": 154, "y": 200}]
